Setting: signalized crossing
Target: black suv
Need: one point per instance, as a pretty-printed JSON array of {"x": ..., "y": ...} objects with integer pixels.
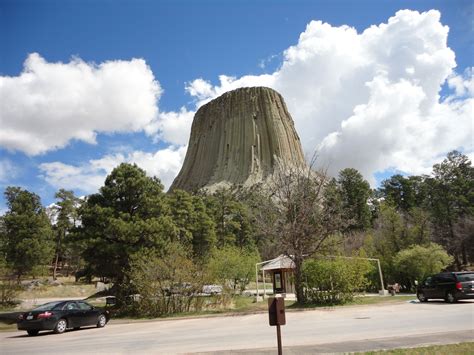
[{"x": 450, "y": 286}]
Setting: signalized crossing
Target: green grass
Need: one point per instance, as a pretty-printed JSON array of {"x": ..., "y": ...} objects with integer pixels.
[
  {"x": 382, "y": 300},
  {"x": 247, "y": 304},
  {"x": 451, "y": 349},
  {"x": 370, "y": 300}
]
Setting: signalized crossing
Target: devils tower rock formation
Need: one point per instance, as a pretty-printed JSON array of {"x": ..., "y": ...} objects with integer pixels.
[{"x": 240, "y": 138}]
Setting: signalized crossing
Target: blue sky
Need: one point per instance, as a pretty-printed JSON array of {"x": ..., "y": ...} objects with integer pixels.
[{"x": 398, "y": 68}]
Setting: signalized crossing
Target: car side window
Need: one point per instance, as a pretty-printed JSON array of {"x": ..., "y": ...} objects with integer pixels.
[
  {"x": 428, "y": 281},
  {"x": 71, "y": 306},
  {"x": 59, "y": 306},
  {"x": 445, "y": 278},
  {"x": 84, "y": 306},
  {"x": 438, "y": 279},
  {"x": 465, "y": 277}
]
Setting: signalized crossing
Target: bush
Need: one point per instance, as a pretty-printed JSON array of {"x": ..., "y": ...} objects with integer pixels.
[
  {"x": 233, "y": 267},
  {"x": 334, "y": 281},
  {"x": 9, "y": 286},
  {"x": 166, "y": 284},
  {"x": 9, "y": 290},
  {"x": 418, "y": 262}
]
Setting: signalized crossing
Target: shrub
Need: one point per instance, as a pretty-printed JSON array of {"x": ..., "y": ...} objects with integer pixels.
[
  {"x": 418, "y": 262},
  {"x": 9, "y": 285},
  {"x": 9, "y": 290},
  {"x": 233, "y": 267},
  {"x": 333, "y": 281},
  {"x": 166, "y": 284}
]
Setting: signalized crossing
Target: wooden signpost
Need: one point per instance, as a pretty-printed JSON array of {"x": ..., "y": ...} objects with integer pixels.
[{"x": 276, "y": 316}]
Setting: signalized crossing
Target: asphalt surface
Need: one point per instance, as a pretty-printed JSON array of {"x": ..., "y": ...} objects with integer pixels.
[
  {"x": 363, "y": 345},
  {"x": 343, "y": 329}
]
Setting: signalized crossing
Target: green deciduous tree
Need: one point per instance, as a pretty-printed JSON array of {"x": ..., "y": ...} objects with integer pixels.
[
  {"x": 168, "y": 281},
  {"x": 396, "y": 230},
  {"x": 418, "y": 262},
  {"x": 330, "y": 281},
  {"x": 419, "y": 225},
  {"x": 27, "y": 235},
  {"x": 305, "y": 216},
  {"x": 233, "y": 267},
  {"x": 392, "y": 234}
]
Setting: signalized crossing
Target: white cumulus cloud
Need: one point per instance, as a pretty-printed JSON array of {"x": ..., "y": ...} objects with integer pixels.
[
  {"x": 370, "y": 100},
  {"x": 89, "y": 177},
  {"x": 172, "y": 127},
  {"x": 49, "y": 104}
]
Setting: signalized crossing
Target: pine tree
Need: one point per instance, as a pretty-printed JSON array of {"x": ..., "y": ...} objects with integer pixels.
[{"x": 27, "y": 232}]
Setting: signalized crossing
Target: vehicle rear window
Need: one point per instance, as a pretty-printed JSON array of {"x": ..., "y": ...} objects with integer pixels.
[
  {"x": 465, "y": 277},
  {"x": 49, "y": 306}
]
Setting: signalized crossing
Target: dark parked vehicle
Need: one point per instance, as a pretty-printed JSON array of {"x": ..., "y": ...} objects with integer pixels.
[
  {"x": 450, "y": 286},
  {"x": 61, "y": 315}
]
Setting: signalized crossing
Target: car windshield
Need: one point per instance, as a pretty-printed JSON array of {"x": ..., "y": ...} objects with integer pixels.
[
  {"x": 49, "y": 306},
  {"x": 465, "y": 277}
]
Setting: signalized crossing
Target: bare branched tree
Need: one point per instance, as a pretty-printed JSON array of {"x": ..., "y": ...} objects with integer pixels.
[{"x": 306, "y": 214}]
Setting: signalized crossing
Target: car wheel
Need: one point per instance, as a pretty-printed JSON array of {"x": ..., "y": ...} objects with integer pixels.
[
  {"x": 421, "y": 297},
  {"x": 61, "y": 326},
  {"x": 32, "y": 332},
  {"x": 101, "y": 321},
  {"x": 450, "y": 298}
]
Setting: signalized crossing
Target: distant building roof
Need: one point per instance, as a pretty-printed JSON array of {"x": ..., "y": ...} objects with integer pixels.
[{"x": 281, "y": 262}]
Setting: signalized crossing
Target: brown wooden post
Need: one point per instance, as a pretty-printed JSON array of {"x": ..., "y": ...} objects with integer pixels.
[
  {"x": 276, "y": 316},
  {"x": 280, "y": 350}
]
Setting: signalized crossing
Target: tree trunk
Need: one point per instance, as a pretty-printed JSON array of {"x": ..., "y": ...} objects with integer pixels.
[
  {"x": 55, "y": 268},
  {"x": 464, "y": 254},
  {"x": 299, "y": 287},
  {"x": 457, "y": 262},
  {"x": 58, "y": 246}
]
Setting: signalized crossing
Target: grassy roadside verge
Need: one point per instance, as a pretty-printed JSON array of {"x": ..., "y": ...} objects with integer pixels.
[
  {"x": 246, "y": 305},
  {"x": 455, "y": 349}
]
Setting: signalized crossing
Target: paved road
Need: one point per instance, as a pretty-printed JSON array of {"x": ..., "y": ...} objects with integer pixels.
[{"x": 351, "y": 327}]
